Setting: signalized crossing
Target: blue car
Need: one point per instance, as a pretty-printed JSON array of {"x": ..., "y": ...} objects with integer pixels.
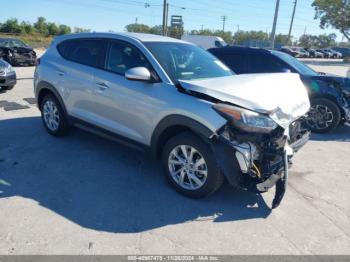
[{"x": 329, "y": 94}]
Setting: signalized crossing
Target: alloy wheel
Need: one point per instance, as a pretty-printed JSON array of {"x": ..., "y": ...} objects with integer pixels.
[
  {"x": 187, "y": 167},
  {"x": 320, "y": 117},
  {"x": 51, "y": 115}
]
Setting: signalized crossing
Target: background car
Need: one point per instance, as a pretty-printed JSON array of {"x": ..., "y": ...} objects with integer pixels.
[
  {"x": 314, "y": 54},
  {"x": 289, "y": 51},
  {"x": 329, "y": 95},
  {"x": 326, "y": 54},
  {"x": 334, "y": 54},
  {"x": 7, "y": 76},
  {"x": 16, "y": 52}
]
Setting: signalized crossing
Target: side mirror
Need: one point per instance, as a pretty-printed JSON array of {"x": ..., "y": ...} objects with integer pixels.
[{"x": 138, "y": 74}]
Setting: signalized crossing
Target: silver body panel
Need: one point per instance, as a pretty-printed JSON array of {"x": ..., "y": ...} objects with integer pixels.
[{"x": 134, "y": 108}]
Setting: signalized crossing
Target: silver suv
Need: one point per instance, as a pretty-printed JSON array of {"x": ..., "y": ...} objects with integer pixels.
[{"x": 177, "y": 101}]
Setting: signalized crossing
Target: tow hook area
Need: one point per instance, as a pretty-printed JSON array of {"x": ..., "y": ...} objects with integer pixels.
[{"x": 280, "y": 180}]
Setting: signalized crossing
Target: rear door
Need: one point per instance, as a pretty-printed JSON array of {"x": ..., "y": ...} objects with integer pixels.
[{"x": 82, "y": 58}]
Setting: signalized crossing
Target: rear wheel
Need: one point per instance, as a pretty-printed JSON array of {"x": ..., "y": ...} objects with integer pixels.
[
  {"x": 324, "y": 115},
  {"x": 190, "y": 166},
  {"x": 53, "y": 116}
]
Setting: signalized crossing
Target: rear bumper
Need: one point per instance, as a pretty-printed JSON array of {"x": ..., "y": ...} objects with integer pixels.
[{"x": 8, "y": 80}]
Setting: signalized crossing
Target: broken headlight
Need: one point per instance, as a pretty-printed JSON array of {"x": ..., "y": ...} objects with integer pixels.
[{"x": 246, "y": 120}]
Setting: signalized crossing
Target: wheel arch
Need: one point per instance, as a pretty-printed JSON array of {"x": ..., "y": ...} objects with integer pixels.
[
  {"x": 44, "y": 88},
  {"x": 172, "y": 125}
]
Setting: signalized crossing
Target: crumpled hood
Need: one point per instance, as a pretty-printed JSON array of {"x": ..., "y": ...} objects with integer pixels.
[
  {"x": 341, "y": 82},
  {"x": 264, "y": 93}
]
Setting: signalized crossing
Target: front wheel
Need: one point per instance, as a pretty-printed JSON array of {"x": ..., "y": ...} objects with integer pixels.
[
  {"x": 190, "y": 166},
  {"x": 324, "y": 115}
]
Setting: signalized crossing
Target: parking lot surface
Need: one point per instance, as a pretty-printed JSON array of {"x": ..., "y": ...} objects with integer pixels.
[{"x": 82, "y": 194}]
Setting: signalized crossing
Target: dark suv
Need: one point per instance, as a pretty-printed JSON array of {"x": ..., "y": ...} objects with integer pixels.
[{"x": 329, "y": 94}]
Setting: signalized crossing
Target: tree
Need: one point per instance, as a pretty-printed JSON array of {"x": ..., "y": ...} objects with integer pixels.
[
  {"x": 138, "y": 28},
  {"x": 11, "y": 26},
  {"x": 27, "y": 27},
  {"x": 334, "y": 13},
  {"x": 41, "y": 26},
  {"x": 175, "y": 32},
  {"x": 156, "y": 30},
  {"x": 243, "y": 36},
  {"x": 64, "y": 29},
  {"x": 81, "y": 30},
  {"x": 53, "y": 29},
  {"x": 320, "y": 41},
  {"x": 282, "y": 39},
  {"x": 227, "y": 36}
]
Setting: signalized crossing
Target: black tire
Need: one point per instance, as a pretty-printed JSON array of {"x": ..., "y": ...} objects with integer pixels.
[
  {"x": 214, "y": 177},
  {"x": 6, "y": 88},
  {"x": 63, "y": 125},
  {"x": 333, "y": 109}
]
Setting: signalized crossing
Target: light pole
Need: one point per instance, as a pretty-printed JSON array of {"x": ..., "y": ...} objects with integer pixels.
[{"x": 273, "y": 33}]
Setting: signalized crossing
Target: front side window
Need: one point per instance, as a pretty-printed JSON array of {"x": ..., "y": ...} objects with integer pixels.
[
  {"x": 122, "y": 57},
  {"x": 89, "y": 52},
  {"x": 183, "y": 61}
]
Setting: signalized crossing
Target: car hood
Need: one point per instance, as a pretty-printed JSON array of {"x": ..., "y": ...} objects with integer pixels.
[{"x": 282, "y": 94}]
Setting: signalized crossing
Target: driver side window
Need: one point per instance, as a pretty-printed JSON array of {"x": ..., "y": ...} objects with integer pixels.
[{"x": 122, "y": 57}]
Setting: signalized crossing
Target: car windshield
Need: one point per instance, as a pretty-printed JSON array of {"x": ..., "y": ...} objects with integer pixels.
[
  {"x": 12, "y": 43},
  {"x": 183, "y": 61},
  {"x": 300, "y": 67},
  {"x": 4, "y": 43}
]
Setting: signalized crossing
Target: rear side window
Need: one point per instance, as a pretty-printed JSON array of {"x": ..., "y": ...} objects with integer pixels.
[{"x": 89, "y": 52}]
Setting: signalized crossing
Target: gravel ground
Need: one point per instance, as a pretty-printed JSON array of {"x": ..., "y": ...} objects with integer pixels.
[{"x": 85, "y": 195}]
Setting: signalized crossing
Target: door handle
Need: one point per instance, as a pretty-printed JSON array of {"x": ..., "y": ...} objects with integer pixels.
[
  {"x": 102, "y": 85},
  {"x": 60, "y": 73}
]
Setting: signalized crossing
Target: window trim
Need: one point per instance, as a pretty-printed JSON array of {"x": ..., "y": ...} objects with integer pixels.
[
  {"x": 154, "y": 75},
  {"x": 103, "y": 57},
  {"x": 155, "y": 78}
]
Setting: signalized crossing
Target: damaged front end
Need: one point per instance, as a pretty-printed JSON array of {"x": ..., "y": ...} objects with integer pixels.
[{"x": 256, "y": 156}]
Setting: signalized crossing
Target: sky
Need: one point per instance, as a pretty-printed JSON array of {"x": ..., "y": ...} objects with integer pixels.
[{"x": 105, "y": 15}]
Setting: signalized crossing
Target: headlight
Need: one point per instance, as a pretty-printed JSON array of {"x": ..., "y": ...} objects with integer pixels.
[
  {"x": 246, "y": 120},
  {"x": 346, "y": 93},
  {"x": 8, "y": 69}
]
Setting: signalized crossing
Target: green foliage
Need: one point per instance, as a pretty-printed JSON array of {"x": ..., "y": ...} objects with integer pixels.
[
  {"x": 242, "y": 36},
  {"x": 283, "y": 39},
  {"x": 138, "y": 28},
  {"x": 320, "y": 41},
  {"x": 157, "y": 30},
  {"x": 227, "y": 36},
  {"x": 41, "y": 26},
  {"x": 11, "y": 26},
  {"x": 334, "y": 13}
]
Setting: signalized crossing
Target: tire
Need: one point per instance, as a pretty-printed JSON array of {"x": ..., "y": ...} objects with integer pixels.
[
  {"x": 207, "y": 172},
  {"x": 53, "y": 116},
  {"x": 324, "y": 115},
  {"x": 6, "y": 88}
]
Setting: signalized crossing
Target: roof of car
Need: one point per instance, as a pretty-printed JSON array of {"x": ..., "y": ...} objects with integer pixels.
[
  {"x": 137, "y": 36},
  {"x": 241, "y": 49}
]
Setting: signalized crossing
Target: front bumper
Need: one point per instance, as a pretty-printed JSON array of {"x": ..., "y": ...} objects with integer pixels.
[
  {"x": 257, "y": 162},
  {"x": 8, "y": 79}
]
